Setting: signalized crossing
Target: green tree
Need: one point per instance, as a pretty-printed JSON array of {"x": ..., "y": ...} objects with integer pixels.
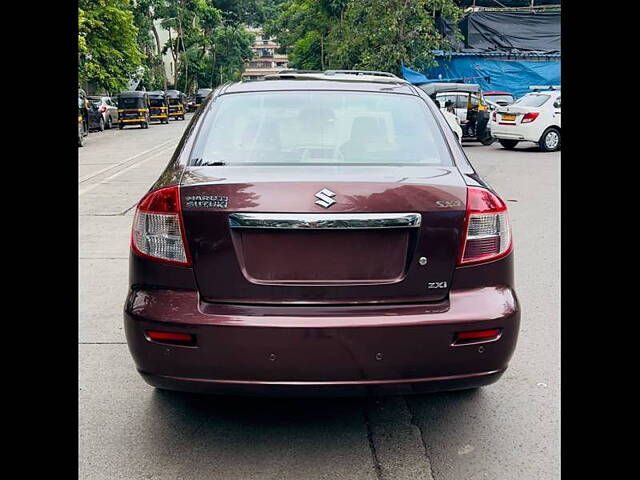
[
  {"x": 380, "y": 34},
  {"x": 191, "y": 25},
  {"x": 361, "y": 34},
  {"x": 146, "y": 13},
  {"x": 107, "y": 44},
  {"x": 304, "y": 28},
  {"x": 231, "y": 47}
]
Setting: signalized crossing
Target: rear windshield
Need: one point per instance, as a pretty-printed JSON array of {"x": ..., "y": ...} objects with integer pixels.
[
  {"x": 130, "y": 102},
  {"x": 532, "y": 100},
  {"x": 499, "y": 98},
  {"x": 156, "y": 102},
  {"x": 319, "y": 127}
]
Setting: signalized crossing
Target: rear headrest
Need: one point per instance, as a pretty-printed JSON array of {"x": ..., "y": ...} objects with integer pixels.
[{"x": 366, "y": 128}]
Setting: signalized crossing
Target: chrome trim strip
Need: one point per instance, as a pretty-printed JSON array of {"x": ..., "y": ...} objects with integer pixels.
[{"x": 335, "y": 221}]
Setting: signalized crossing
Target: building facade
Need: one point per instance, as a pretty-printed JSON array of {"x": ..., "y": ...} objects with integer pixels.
[
  {"x": 265, "y": 59},
  {"x": 167, "y": 59}
]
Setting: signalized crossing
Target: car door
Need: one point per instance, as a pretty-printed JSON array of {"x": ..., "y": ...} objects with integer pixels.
[
  {"x": 557, "y": 111},
  {"x": 112, "y": 111},
  {"x": 461, "y": 100}
]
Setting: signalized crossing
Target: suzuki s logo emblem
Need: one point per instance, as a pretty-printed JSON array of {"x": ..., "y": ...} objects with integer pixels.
[{"x": 324, "y": 198}]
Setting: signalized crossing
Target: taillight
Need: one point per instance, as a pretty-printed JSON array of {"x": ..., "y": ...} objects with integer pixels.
[
  {"x": 487, "y": 233},
  {"x": 529, "y": 117},
  {"x": 493, "y": 116},
  {"x": 476, "y": 336},
  {"x": 103, "y": 109},
  {"x": 158, "y": 231},
  {"x": 172, "y": 337}
]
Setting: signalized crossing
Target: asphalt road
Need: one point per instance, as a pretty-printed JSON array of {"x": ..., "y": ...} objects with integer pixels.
[{"x": 508, "y": 430}]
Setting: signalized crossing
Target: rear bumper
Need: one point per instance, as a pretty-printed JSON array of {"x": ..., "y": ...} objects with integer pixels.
[
  {"x": 321, "y": 351},
  {"x": 524, "y": 133},
  {"x": 322, "y": 389}
]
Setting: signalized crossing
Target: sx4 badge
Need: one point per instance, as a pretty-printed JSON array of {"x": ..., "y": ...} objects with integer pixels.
[{"x": 206, "y": 201}]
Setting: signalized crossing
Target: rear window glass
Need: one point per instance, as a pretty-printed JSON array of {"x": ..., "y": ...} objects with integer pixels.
[
  {"x": 532, "y": 100},
  {"x": 130, "y": 102},
  {"x": 318, "y": 127},
  {"x": 156, "y": 102},
  {"x": 499, "y": 98}
]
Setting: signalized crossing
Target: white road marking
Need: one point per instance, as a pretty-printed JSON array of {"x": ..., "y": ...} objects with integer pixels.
[
  {"x": 124, "y": 170},
  {"x": 90, "y": 176}
]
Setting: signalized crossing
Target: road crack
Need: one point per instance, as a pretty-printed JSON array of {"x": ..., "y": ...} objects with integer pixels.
[
  {"x": 372, "y": 446},
  {"x": 415, "y": 423}
]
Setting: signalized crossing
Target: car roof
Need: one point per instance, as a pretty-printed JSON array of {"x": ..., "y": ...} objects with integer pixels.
[
  {"x": 456, "y": 93},
  {"x": 553, "y": 93},
  {"x": 301, "y": 84},
  {"x": 342, "y": 80},
  {"x": 132, "y": 94},
  {"x": 440, "y": 87}
]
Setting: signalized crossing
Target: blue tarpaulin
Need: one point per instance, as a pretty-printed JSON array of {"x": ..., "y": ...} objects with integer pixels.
[
  {"x": 418, "y": 78},
  {"x": 513, "y": 76}
]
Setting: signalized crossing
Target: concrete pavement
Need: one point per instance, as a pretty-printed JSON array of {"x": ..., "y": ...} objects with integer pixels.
[{"x": 129, "y": 431}]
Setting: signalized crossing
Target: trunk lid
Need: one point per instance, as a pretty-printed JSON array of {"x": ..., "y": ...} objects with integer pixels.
[
  {"x": 512, "y": 114},
  {"x": 364, "y": 248}
]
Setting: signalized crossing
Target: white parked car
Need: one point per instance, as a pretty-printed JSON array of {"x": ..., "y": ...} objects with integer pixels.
[
  {"x": 452, "y": 119},
  {"x": 535, "y": 117},
  {"x": 453, "y": 122},
  {"x": 108, "y": 108}
]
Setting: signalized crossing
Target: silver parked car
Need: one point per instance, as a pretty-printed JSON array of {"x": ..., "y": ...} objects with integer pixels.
[{"x": 108, "y": 108}]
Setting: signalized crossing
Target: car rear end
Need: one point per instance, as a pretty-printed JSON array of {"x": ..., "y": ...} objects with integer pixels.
[
  {"x": 254, "y": 276},
  {"x": 522, "y": 121}
]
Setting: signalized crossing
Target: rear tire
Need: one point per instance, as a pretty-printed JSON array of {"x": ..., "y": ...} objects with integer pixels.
[
  {"x": 120, "y": 126},
  {"x": 101, "y": 125},
  {"x": 109, "y": 124},
  {"x": 80, "y": 140},
  {"x": 508, "y": 144},
  {"x": 550, "y": 140}
]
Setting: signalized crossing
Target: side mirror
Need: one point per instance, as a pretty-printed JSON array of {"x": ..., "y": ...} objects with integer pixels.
[{"x": 556, "y": 104}]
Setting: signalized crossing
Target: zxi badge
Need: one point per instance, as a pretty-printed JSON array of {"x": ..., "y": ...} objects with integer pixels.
[{"x": 324, "y": 198}]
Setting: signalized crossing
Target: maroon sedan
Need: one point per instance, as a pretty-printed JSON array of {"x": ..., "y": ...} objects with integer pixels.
[{"x": 320, "y": 234}]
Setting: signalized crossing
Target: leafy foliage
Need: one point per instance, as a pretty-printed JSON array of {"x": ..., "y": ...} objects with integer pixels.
[
  {"x": 361, "y": 34},
  {"x": 107, "y": 43},
  {"x": 208, "y": 41}
]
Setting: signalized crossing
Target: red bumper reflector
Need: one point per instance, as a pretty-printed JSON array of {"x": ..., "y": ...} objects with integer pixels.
[
  {"x": 477, "y": 335},
  {"x": 171, "y": 337}
]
